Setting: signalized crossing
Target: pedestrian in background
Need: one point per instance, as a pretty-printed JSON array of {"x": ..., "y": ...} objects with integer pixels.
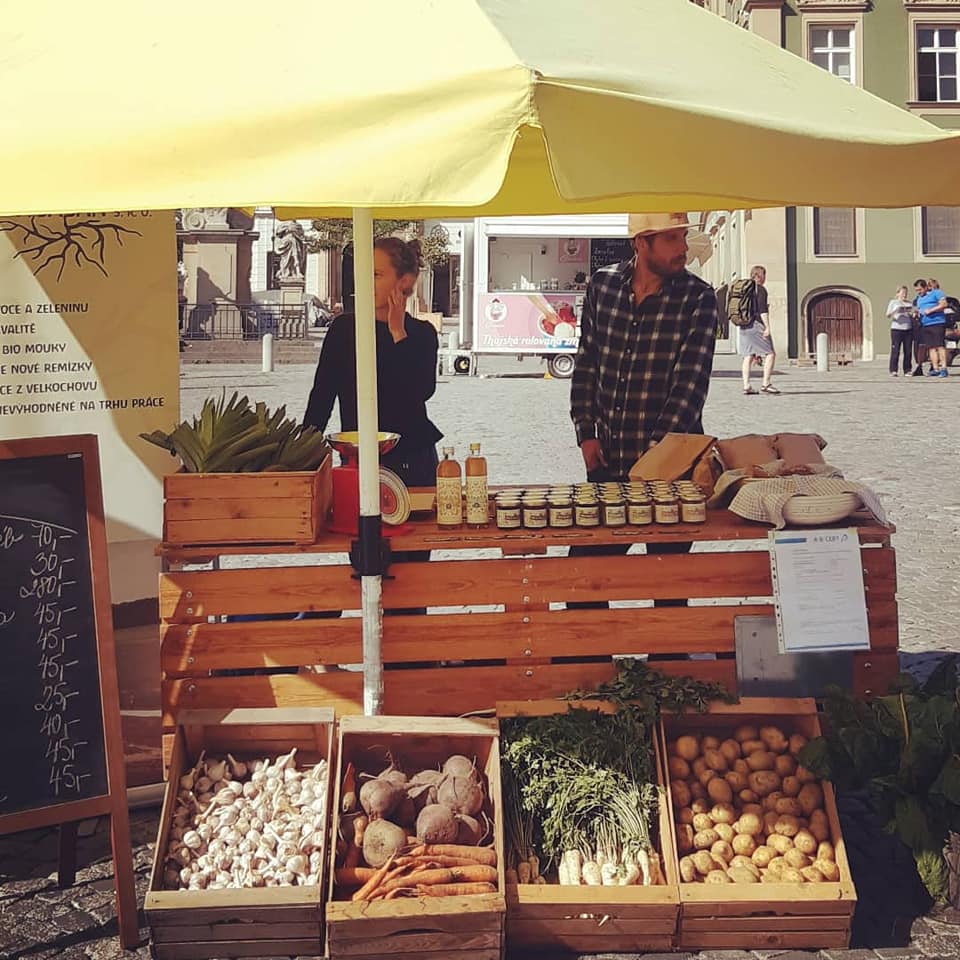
[
  {"x": 900, "y": 314},
  {"x": 931, "y": 305},
  {"x": 756, "y": 340}
]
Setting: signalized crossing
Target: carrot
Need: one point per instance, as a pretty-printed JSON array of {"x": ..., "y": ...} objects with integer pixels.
[
  {"x": 354, "y": 876},
  {"x": 479, "y": 873},
  {"x": 454, "y": 889},
  {"x": 484, "y": 855},
  {"x": 349, "y": 791},
  {"x": 428, "y": 877},
  {"x": 364, "y": 892}
]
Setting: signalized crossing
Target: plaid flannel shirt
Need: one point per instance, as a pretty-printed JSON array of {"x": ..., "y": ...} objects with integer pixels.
[{"x": 641, "y": 371}]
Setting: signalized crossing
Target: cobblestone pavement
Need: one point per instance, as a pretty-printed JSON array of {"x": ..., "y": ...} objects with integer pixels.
[{"x": 898, "y": 435}]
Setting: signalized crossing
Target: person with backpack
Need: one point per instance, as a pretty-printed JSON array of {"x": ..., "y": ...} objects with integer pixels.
[{"x": 748, "y": 308}]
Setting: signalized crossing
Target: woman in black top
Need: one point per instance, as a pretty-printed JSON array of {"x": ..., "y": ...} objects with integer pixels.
[{"x": 406, "y": 368}]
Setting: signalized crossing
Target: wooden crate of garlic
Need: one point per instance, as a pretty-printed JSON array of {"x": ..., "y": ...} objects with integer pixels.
[
  {"x": 242, "y": 848},
  {"x": 761, "y": 856}
]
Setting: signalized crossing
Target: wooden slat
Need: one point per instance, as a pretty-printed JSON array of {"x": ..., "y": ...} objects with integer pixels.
[
  {"x": 217, "y": 486},
  {"x": 413, "y": 944},
  {"x": 275, "y": 929},
  {"x": 206, "y": 950},
  {"x": 767, "y": 923},
  {"x": 590, "y": 943},
  {"x": 545, "y": 926},
  {"x": 740, "y": 940},
  {"x": 235, "y": 508},
  {"x": 447, "y": 954},
  {"x": 628, "y": 904},
  {"x": 874, "y": 672},
  {"x": 249, "y": 530}
]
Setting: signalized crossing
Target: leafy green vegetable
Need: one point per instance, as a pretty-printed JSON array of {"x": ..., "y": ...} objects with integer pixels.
[{"x": 905, "y": 749}]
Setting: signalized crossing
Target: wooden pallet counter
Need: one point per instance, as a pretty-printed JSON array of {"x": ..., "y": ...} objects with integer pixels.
[
  {"x": 764, "y": 916},
  {"x": 263, "y": 921},
  {"x": 498, "y": 618},
  {"x": 454, "y": 927},
  {"x": 560, "y": 920}
]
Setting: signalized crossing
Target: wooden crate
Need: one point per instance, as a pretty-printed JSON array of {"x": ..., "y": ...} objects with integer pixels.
[
  {"x": 209, "y": 508},
  {"x": 586, "y": 919},
  {"x": 765, "y": 916},
  {"x": 458, "y": 928},
  {"x": 260, "y": 922}
]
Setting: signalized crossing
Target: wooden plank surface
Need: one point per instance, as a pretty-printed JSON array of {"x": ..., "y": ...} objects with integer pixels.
[
  {"x": 276, "y": 928},
  {"x": 874, "y": 672},
  {"x": 405, "y": 944},
  {"x": 211, "y": 949},
  {"x": 240, "y": 530},
  {"x": 235, "y": 508},
  {"x": 215, "y": 486},
  {"x": 772, "y": 940}
]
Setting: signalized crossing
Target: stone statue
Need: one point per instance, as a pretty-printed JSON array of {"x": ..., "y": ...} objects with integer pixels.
[{"x": 291, "y": 245}]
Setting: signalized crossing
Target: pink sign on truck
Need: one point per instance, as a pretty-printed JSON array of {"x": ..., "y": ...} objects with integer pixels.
[{"x": 528, "y": 322}]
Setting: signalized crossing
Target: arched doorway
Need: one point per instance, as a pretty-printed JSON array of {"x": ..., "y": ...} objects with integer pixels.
[{"x": 840, "y": 316}]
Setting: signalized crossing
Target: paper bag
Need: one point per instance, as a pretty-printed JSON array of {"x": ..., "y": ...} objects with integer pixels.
[{"x": 672, "y": 457}]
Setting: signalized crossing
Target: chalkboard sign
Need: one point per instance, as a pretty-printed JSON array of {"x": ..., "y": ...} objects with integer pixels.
[
  {"x": 607, "y": 250},
  {"x": 50, "y": 705},
  {"x": 59, "y": 702}
]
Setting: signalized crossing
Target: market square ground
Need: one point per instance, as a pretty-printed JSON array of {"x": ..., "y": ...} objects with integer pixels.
[{"x": 897, "y": 435}]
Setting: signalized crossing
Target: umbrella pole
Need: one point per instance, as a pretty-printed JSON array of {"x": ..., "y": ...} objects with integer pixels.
[{"x": 369, "y": 527}]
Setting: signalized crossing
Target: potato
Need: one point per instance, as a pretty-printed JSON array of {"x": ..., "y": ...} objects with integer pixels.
[
  {"x": 761, "y": 760},
  {"x": 679, "y": 768},
  {"x": 763, "y": 855},
  {"x": 716, "y": 761},
  {"x": 790, "y": 786},
  {"x": 688, "y": 872},
  {"x": 747, "y": 864},
  {"x": 742, "y": 875},
  {"x": 767, "y": 877},
  {"x": 805, "y": 776},
  {"x": 752, "y": 808},
  {"x": 723, "y": 850},
  {"x": 770, "y": 819},
  {"x": 749, "y": 798},
  {"x": 740, "y": 766},
  {"x": 698, "y": 766},
  {"x": 825, "y": 851},
  {"x": 787, "y": 826},
  {"x": 724, "y": 831},
  {"x": 763, "y": 782},
  {"x": 685, "y": 815},
  {"x": 812, "y": 875},
  {"x": 805, "y": 842},
  {"x": 680, "y": 794},
  {"x": 744, "y": 845},
  {"x": 706, "y": 776},
  {"x": 700, "y": 804},
  {"x": 791, "y": 875},
  {"x": 789, "y": 805},
  {"x": 810, "y": 798},
  {"x": 697, "y": 790},
  {"x": 718, "y": 862},
  {"x": 785, "y": 765},
  {"x": 779, "y": 843},
  {"x": 704, "y": 839},
  {"x": 702, "y": 821},
  {"x": 719, "y": 791},
  {"x": 688, "y": 748},
  {"x": 819, "y": 825},
  {"x": 737, "y": 781},
  {"x": 770, "y": 800},
  {"x": 731, "y": 750},
  {"x": 797, "y": 742},
  {"x": 796, "y": 859},
  {"x": 749, "y": 824},
  {"x": 684, "y": 838},
  {"x": 709, "y": 743},
  {"x": 703, "y": 862},
  {"x": 745, "y": 732},
  {"x": 723, "y": 813},
  {"x": 717, "y": 876},
  {"x": 752, "y": 746},
  {"x": 828, "y": 869},
  {"x": 776, "y": 866},
  {"x": 774, "y": 738}
]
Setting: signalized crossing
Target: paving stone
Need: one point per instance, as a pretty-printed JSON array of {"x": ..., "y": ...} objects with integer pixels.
[
  {"x": 724, "y": 955},
  {"x": 849, "y": 955},
  {"x": 898, "y": 953},
  {"x": 939, "y": 946}
]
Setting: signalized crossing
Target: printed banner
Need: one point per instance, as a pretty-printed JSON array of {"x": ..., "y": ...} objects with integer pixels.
[
  {"x": 89, "y": 344},
  {"x": 528, "y": 322}
]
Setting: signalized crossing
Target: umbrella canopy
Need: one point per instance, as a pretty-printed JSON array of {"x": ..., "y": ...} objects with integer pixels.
[{"x": 438, "y": 107}]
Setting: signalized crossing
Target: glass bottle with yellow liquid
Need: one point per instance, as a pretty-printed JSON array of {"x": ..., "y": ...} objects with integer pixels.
[
  {"x": 478, "y": 510},
  {"x": 449, "y": 491}
]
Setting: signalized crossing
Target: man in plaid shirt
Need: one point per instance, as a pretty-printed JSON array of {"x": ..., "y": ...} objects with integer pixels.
[{"x": 646, "y": 349}]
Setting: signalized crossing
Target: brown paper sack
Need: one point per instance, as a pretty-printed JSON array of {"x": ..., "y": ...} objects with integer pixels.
[{"x": 672, "y": 458}]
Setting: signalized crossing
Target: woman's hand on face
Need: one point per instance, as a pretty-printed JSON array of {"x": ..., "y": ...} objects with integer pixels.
[{"x": 396, "y": 309}]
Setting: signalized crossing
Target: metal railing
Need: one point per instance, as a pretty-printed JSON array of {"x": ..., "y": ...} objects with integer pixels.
[{"x": 244, "y": 321}]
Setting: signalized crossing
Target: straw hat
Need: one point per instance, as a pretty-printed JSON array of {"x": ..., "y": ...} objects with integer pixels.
[{"x": 646, "y": 224}]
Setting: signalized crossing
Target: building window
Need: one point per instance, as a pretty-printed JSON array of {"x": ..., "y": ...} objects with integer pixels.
[
  {"x": 834, "y": 232},
  {"x": 833, "y": 48},
  {"x": 940, "y": 231},
  {"x": 273, "y": 270},
  {"x": 936, "y": 64}
]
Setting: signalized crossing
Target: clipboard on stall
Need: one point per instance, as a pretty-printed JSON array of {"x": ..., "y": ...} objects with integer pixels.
[
  {"x": 59, "y": 700},
  {"x": 818, "y": 590}
]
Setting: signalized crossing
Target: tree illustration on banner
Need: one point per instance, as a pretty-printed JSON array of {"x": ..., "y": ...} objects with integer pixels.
[{"x": 62, "y": 240}]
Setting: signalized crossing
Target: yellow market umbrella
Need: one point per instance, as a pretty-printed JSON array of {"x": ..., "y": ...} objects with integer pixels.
[{"x": 434, "y": 108}]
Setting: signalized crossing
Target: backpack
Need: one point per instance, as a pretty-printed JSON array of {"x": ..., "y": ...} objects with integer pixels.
[{"x": 741, "y": 299}]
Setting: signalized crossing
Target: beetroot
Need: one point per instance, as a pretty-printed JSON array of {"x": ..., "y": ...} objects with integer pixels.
[
  {"x": 437, "y": 824},
  {"x": 379, "y": 798},
  {"x": 469, "y": 831},
  {"x": 460, "y": 766},
  {"x": 461, "y": 795},
  {"x": 381, "y": 841}
]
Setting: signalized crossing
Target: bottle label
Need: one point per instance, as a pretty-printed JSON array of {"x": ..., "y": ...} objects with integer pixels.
[
  {"x": 477, "y": 509},
  {"x": 449, "y": 502},
  {"x": 693, "y": 511}
]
